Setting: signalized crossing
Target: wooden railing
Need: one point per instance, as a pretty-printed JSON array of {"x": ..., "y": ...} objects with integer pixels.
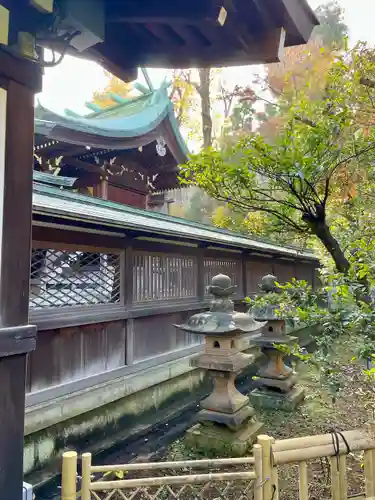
[{"x": 255, "y": 477}]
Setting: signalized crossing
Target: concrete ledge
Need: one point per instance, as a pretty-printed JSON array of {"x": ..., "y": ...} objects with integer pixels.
[
  {"x": 41, "y": 416},
  {"x": 107, "y": 424}
]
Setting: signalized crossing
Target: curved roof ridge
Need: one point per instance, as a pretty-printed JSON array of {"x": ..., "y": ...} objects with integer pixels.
[{"x": 138, "y": 117}]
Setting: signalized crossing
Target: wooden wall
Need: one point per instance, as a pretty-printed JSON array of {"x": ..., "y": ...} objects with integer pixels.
[
  {"x": 67, "y": 354},
  {"x": 112, "y": 304},
  {"x": 126, "y": 196}
]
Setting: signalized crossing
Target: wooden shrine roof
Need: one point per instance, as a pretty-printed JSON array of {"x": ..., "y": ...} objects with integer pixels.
[
  {"x": 180, "y": 34},
  {"x": 127, "y": 131},
  {"x": 129, "y": 124}
]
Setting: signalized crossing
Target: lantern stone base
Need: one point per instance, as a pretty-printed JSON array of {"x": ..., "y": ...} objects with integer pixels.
[
  {"x": 284, "y": 385},
  {"x": 220, "y": 440},
  {"x": 232, "y": 420},
  {"x": 272, "y": 400}
]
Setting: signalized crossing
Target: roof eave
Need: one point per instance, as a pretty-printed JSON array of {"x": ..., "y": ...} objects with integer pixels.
[{"x": 56, "y": 204}]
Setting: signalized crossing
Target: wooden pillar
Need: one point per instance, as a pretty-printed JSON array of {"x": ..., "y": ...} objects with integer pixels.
[
  {"x": 128, "y": 271},
  {"x": 244, "y": 259},
  {"x": 201, "y": 292},
  {"x": 104, "y": 188},
  {"x": 19, "y": 80},
  {"x": 128, "y": 286}
]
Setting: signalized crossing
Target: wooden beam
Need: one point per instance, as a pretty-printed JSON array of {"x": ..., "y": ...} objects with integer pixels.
[
  {"x": 60, "y": 149},
  {"x": 15, "y": 206},
  {"x": 4, "y": 25},
  {"x": 110, "y": 56},
  {"x": 273, "y": 48},
  {"x": 128, "y": 277},
  {"x": 250, "y": 50},
  {"x": 299, "y": 19},
  {"x": 16, "y": 337},
  {"x": 114, "y": 62},
  {"x": 45, "y": 6},
  {"x": 65, "y": 239},
  {"x": 191, "y": 35},
  {"x": 19, "y": 70},
  {"x": 84, "y": 165},
  {"x": 26, "y": 15},
  {"x": 165, "y": 33},
  {"x": 181, "y": 12},
  {"x": 266, "y": 15},
  {"x": 201, "y": 289},
  {"x": 88, "y": 179}
]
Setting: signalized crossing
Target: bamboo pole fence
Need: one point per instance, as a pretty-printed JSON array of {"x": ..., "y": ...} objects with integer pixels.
[{"x": 260, "y": 469}]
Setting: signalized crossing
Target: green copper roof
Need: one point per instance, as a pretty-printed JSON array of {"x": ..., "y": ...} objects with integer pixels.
[
  {"x": 54, "y": 180},
  {"x": 129, "y": 118},
  {"x": 68, "y": 205}
]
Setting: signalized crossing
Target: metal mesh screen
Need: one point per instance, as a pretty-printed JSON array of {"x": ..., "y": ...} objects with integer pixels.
[
  {"x": 163, "y": 277},
  {"x": 231, "y": 268},
  {"x": 64, "y": 278}
]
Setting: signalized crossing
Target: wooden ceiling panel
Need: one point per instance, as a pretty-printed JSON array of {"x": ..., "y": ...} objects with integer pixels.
[
  {"x": 242, "y": 51},
  {"x": 191, "y": 35},
  {"x": 165, "y": 33}
]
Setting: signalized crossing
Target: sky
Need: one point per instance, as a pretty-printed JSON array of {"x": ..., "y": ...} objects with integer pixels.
[
  {"x": 73, "y": 82},
  {"x": 359, "y": 16}
]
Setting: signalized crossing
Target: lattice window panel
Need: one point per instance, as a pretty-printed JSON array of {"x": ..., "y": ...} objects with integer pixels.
[
  {"x": 211, "y": 490},
  {"x": 163, "y": 277},
  {"x": 64, "y": 278},
  {"x": 230, "y": 267}
]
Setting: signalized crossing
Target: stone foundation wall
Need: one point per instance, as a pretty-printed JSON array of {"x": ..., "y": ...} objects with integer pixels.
[{"x": 97, "y": 418}]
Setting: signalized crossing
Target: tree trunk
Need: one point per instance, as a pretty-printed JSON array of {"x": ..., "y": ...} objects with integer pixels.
[
  {"x": 322, "y": 231},
  {"x": 204, "y": 92}
]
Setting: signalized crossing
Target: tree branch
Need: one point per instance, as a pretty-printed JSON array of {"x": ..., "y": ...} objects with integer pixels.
[
  {"x": 367, "y": 82},
  {"x": 306, "y": 121},
  {"x": 351, "y": 157},
  {"x": 249, "y": 206},
  {"x": 292, "y": 188},
  {"x": 326, "y": 192},
  {"x": 274, "y": 200}
]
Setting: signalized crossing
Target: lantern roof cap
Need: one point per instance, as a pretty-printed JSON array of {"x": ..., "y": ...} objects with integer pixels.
[{"x": 222, "y": 319}]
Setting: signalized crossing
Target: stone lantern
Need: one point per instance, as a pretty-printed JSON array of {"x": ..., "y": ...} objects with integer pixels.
[
  {"x": 276, "y": 382},
  {"x": 226, "y": 419}
]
